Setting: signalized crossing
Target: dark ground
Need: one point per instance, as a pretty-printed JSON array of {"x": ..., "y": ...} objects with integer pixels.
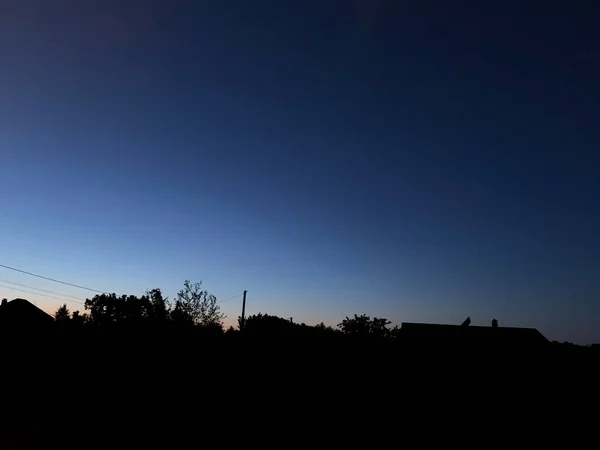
[{"x": 180, "y": 391}]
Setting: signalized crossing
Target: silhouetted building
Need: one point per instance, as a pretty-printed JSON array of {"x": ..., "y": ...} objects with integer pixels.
[
  {"x": 22, "y": 314},
  {"x": 456, "y": 335}
]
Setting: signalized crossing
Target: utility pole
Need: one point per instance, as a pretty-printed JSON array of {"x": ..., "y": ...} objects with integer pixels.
[{"x": 243, "y": 321}]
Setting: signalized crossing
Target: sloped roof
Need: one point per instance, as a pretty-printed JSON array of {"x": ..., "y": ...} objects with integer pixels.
[
  {"x": 21, "y": 312},
  {"x": 445, "y": 333}
]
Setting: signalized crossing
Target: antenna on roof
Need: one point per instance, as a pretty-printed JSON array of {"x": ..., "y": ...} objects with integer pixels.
[{"x": 467, "y": 322}]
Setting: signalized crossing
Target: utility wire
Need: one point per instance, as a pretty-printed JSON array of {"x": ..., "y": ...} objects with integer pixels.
[
  {"x": 52, "y": 279},
  {"x": 231, "y": 298},
  {"x": 36, "y": 293},
  {"x": 41, "y": 290},
  {"x": 66, "y": 284}
]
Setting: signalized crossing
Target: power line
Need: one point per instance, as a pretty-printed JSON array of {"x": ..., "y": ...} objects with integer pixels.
[
  {"x": 51, "y": 279},
  {"x": 36, "y": 293},
  {"x": 41, "y": 290},
  {"x": 231, "y": 298}
]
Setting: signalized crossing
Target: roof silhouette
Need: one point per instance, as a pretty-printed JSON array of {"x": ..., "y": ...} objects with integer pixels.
[
  {"x": 442, "y": 333},
  {"x": 22, "y": 313}
]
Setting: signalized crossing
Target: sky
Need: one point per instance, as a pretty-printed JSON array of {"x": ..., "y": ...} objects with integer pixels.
[{"x": 421, "y": 161}]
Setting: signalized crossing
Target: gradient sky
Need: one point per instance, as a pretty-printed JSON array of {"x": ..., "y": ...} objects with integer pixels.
[{"x": 421, "y": 161}]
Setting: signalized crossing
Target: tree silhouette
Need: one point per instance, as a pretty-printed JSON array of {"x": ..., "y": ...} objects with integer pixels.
[
  {"x": 395, "y": 333},
  {"x": 196, "y": 306},
  {"x": 62, "y": 314},
  {"x": 193, "y": 306},
  {"x": 363, "y": 325},
  {"x": 109, "y": 309},
  {"x": 101, "y": 308},
  {"x": 160, "y": 309},
  {"x": 79, "y": 319},
  {"x": 266, "y": 325},
  {"x": 324, "y": 328}
]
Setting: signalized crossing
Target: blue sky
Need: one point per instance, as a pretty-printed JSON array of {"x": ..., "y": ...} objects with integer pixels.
[{"x": 422, "y": 162}]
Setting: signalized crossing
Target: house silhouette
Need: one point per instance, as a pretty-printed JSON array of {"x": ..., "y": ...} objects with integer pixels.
[
  {"x": 22, "y": 314},
  {"x": 465, "y": 334}
]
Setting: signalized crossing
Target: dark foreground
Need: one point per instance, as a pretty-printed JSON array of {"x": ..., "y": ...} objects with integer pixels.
[{"x": 180, "y": 390}]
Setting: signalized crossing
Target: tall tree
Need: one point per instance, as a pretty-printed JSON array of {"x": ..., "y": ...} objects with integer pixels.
[
  {"x": 109, "y": 309},
  {"x": 197, "y": 306},
  {"x": 102, "y": 308},
  {"x": 159, "y": 305}
]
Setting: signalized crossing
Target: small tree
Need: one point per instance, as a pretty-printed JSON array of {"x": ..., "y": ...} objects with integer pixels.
[{"x": 62, "y": 314}]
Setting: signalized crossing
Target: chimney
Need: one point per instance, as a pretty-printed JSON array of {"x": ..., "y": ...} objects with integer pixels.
[{"x": 494, "y": 323}]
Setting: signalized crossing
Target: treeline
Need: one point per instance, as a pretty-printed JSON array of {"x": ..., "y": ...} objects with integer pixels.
[
  {"x": 195, "y": 311},
  {"x": 195, "y": 308}
]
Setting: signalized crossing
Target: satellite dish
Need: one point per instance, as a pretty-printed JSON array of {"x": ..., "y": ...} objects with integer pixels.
[{"x": 467, "y": 322}]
